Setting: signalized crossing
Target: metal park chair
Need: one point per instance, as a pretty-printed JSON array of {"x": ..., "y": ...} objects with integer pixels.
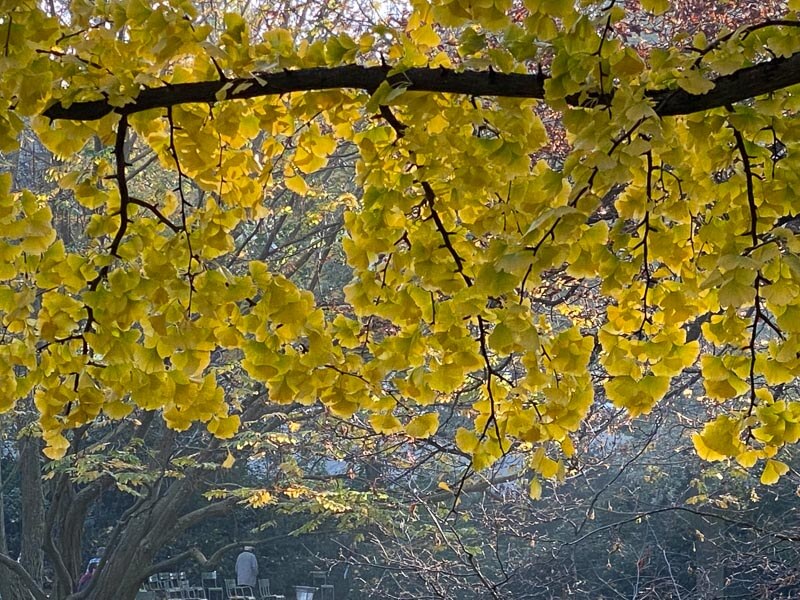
[
  {"x": 212, "y": 585},
  {"x": 264, "y": 593},
  {"x": 238, "y": 592}
]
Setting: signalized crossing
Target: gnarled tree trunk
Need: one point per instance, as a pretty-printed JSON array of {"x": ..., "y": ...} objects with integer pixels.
[
  {"x": 9, "y": 587},
  {"x": 31, "y": 557}
]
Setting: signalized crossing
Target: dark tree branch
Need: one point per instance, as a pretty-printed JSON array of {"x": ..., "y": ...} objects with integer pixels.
[
  {"x": 481, "y": 486},
  {"x": 745, "y": 83},
  {"x": 62, "y": 493},
  {"x": 208, "y": 511},
  {"x": 205, "y": 563},
  {"x": 179, "y": 559},
  {"x": 23, "y": 576}
]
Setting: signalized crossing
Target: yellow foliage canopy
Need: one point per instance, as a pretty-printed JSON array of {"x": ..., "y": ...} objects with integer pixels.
[{"x": 674, "y": 202}]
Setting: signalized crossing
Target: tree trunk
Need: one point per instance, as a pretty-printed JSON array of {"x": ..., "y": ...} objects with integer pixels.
[
  {"x": 11, "y": 588},
  {"x": 140, "y": 534},
  {"x": 65, "y": 535},
  {"x": 126, "y": 564},
  {"x": 8, "y": 589},
  {"x": 32, "y": 508},
  {"x": 144, "y": 532}
]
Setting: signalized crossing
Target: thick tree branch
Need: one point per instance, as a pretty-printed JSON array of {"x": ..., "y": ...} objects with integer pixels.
[
  {"x": 208, "y": 511},
  {"x": 24, "y": 577},
  {"x": 202, "y": 562},
  {"x": 481, "y": 486},
  {"x": 749, "y": 82},
  {"x": 745, "y": 83},
  {"x": 62, "y": 495}
]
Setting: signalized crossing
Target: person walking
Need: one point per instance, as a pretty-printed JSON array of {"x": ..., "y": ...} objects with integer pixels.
[
  {"x": 247, "y": 568},
  {"x": 86, "y": 578}
]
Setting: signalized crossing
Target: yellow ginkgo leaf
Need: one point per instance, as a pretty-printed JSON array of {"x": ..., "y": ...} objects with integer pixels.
[
  {"x": 423, "y": 426},
  {"x": 772, "y": 471},
  {"x": 535, "y": 491},
  {"x": 224, "y": 427},
  {"x": 385, "y": 423}
]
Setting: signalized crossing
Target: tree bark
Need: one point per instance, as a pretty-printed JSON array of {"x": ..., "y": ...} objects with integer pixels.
[
  {"x": 122, "y": 569},
  {"x": 7, "y": 587},
  {"x": 32, "y": 509},
  {"x": 745, "y": 83},
  {"x": 142, "y": 532},
  {"x": 63, "y": 544}
]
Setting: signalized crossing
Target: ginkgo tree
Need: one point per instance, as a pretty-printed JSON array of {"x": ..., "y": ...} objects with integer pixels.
[{"x": 675, "y": 196}]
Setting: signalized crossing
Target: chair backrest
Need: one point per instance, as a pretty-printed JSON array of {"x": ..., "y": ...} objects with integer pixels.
[
  {"x": 215, "y": 593},
  {"x": 327, "y": 592},
  {"x": 183, "y": 580},
  {"x": 229, "y": 585},
  {"x": 208, "y": 579},
  {"x": 175, "y": 580},
  {"x": 246, "y": 591},
  {"x": 152, "y": 583},
  {"x": 263, "y": 588}
]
